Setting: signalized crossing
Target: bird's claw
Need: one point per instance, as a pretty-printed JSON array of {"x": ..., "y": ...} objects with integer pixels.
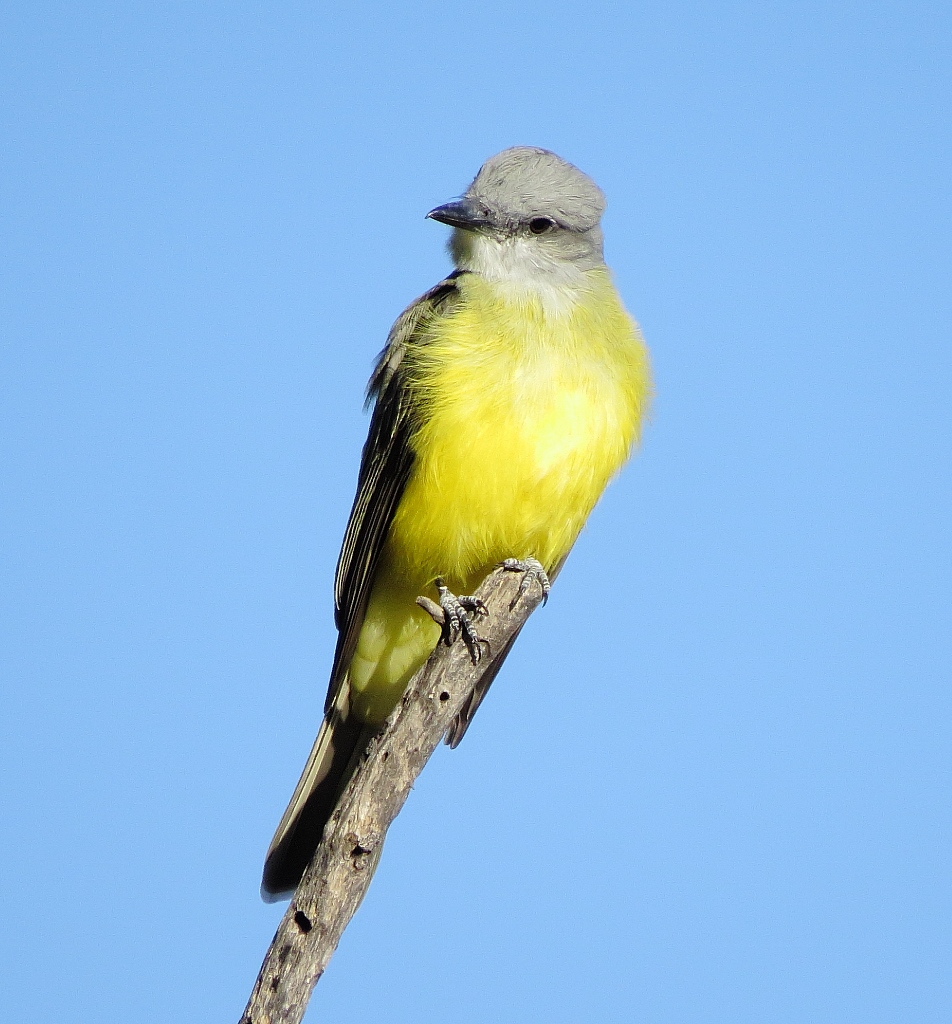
[
  {"x": 533, "y": 571},
  {"x": 458, "y": 615}
]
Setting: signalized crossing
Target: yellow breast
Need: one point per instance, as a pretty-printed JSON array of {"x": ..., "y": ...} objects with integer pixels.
[{"x": 526, "y": 415}]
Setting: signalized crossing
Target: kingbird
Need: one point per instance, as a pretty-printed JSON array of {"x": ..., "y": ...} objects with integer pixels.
[{"x": 504, "y": 401}]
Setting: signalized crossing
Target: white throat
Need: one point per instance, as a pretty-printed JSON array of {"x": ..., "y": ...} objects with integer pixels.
[{"x": 520, "y": 267}]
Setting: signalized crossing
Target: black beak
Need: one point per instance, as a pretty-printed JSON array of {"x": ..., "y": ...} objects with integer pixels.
[{"x": 465, "y": 213}]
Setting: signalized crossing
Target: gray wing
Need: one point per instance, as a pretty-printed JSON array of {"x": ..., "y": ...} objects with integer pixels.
[{"x": 384, "y": 471}]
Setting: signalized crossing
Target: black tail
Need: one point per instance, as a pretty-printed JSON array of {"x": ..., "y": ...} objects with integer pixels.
[{"x": 333, "y": 758}]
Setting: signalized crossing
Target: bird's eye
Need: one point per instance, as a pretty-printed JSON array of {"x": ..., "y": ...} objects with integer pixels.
[{"x": 539, "y": 225}]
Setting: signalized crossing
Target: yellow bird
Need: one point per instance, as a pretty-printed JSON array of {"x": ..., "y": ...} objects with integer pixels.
[{"x": 504, "y": 401}]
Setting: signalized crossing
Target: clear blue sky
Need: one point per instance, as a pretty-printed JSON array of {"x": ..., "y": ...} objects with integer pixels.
[{"x": 712, "y": 784}]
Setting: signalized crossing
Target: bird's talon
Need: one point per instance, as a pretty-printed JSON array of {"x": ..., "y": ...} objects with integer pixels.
[
  {"x": 457, "y": 622},
  {"x": 474, "y": 605},
  {"x": 533, "y": 571}
]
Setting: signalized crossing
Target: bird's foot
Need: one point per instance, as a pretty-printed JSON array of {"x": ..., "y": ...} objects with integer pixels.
[
  {"x": 534, "y": 572},
  {"x": 454, "y": 615}
]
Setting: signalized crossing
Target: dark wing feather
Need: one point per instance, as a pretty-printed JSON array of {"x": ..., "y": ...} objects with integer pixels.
[{"x": 384, "y": 471}]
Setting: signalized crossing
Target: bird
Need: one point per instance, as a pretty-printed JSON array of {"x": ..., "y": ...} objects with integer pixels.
[{"x": 504, "y": 401}]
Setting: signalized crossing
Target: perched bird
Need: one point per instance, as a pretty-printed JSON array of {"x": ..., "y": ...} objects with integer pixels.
[{"x": 504, "y": 401}]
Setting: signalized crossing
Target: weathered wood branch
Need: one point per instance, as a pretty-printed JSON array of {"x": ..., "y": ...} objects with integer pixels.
[{"x": 342, "y": 867}]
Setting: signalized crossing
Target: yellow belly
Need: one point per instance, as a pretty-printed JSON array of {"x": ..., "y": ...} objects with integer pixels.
[{"x": 526, "y": 416}]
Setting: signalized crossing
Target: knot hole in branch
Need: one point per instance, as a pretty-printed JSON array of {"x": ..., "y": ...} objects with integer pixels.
[{"x": 361, "y": 849}]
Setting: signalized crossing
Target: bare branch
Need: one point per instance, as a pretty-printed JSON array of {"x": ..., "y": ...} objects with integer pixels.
[{"x": 340, "y": 871}]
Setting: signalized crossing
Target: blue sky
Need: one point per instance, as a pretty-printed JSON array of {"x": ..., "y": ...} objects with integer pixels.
[{"x": 712, "y": 784}]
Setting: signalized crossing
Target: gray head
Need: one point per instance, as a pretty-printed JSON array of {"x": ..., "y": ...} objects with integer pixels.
[{"x": 534, "y": 200}]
